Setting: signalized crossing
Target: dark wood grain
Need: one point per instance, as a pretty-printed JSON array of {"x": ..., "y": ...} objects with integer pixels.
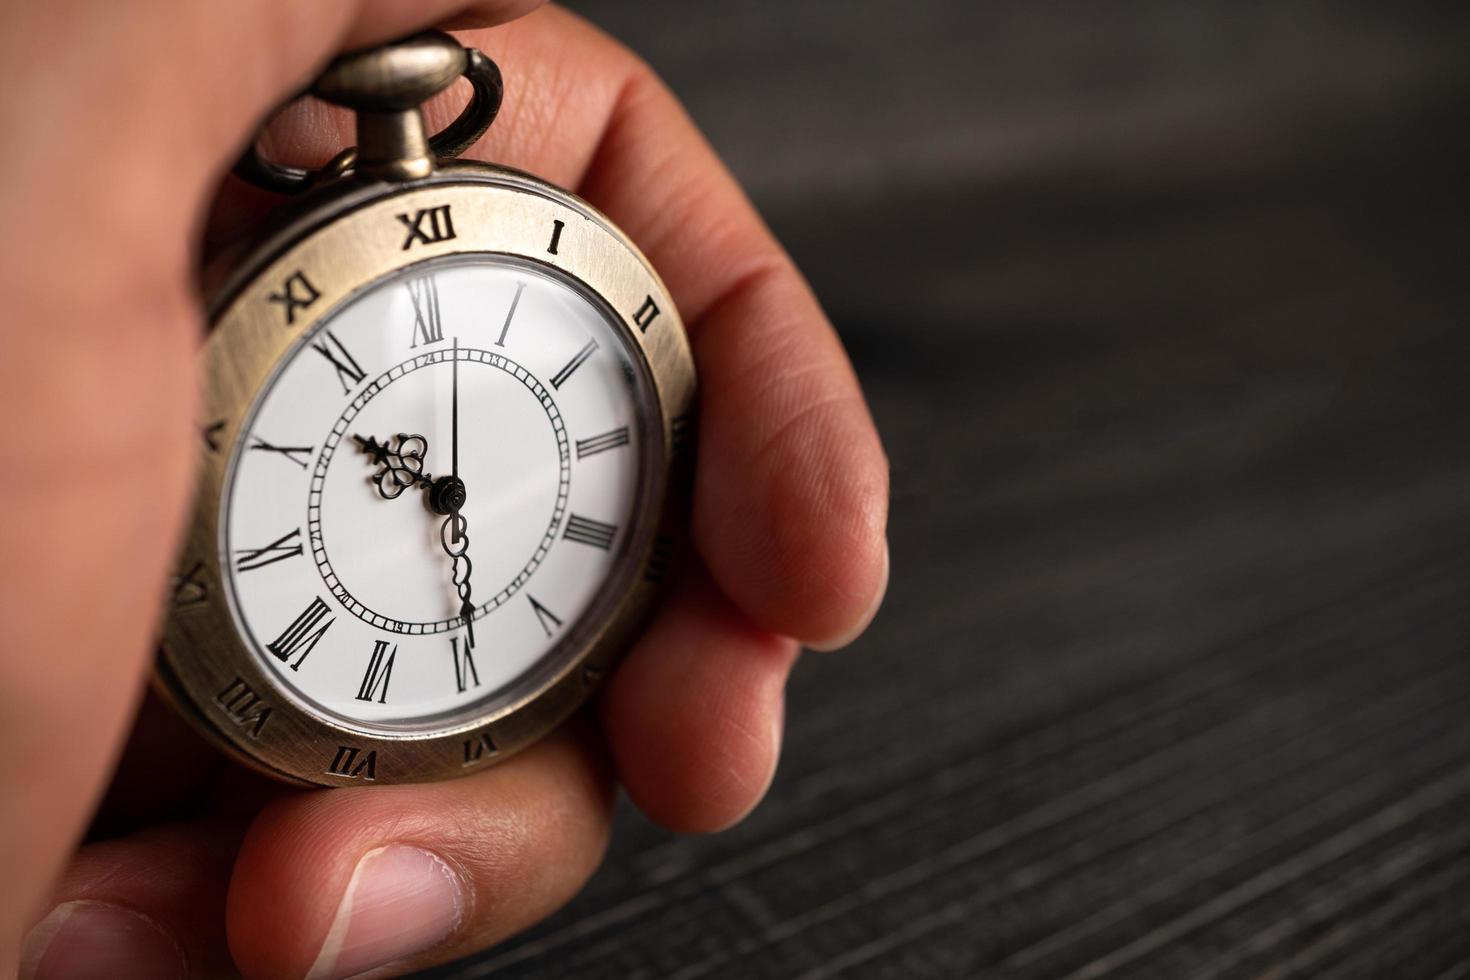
[{"x": 1162, "y": 309}]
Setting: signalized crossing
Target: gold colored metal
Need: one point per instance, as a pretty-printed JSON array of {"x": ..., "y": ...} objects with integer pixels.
[
  {"x": 385, "y": 87},
  {"x": 344, "y": 238}
]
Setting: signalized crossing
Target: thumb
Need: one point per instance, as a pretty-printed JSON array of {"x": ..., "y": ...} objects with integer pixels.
[{"x": 119, "y": 120}]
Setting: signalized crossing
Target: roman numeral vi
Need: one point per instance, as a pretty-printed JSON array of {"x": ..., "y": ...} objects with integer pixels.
[
  {"x": 346, "y": 763},
  {"x": 465, "y": 674}
]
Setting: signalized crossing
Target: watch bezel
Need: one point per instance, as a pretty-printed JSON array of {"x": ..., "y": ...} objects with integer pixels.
[{"x": 344, "y": 240}]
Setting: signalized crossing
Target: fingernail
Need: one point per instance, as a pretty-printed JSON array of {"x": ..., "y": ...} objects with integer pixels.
[
  {"x": 95, "y": 939},
  {"x": 401, "y": 900},
  {"x": 847, "y": 638}
]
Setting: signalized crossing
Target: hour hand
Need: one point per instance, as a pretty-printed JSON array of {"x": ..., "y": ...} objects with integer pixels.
[{"x": 400, "y": 462}]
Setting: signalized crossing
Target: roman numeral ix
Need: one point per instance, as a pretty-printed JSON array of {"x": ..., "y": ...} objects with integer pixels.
[
  {"x": 427, "y": 226},
  {"x": 303, "y": 634},
  {"x": 379, "y": 672},
  {"x": 286, "y": 546}
]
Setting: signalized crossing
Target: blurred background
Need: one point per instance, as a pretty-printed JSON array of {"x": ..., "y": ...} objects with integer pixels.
[{"x": 1162, "y": 310}]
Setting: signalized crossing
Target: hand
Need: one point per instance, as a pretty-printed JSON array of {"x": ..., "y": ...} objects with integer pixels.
[{"x": 203, "y": 862}]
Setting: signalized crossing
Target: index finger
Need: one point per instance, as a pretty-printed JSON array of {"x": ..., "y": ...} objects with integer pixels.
[{"x": 791, "y": 496}]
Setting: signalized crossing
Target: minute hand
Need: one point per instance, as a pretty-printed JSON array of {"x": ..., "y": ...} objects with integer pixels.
[
  {"x": 454, "y": 536},
  {"x": 457, "y": 543}
]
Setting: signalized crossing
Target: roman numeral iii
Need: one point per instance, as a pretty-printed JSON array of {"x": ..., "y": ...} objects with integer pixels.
[
  {"x": 584, "y": 530},
  {"x": 601, "y": 444}
]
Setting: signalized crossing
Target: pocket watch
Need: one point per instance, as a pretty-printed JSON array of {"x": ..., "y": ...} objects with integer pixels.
[{"x": 445, "y": 451}]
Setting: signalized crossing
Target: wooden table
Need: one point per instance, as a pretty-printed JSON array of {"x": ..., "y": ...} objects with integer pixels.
[{"x": 1163, "y": 311}]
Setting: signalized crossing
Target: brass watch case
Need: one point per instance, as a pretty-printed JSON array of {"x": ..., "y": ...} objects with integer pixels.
[{"x": 344, "y": 238}]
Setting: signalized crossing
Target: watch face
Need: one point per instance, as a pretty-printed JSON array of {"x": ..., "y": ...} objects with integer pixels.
[{"x": 436, "y": 493}]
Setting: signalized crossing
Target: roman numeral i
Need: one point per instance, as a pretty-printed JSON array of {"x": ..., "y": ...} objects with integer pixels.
[{"x": 578, "y": 359}]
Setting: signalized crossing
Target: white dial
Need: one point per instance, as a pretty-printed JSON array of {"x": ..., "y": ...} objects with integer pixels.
[{"x": 436, "y": 489}]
